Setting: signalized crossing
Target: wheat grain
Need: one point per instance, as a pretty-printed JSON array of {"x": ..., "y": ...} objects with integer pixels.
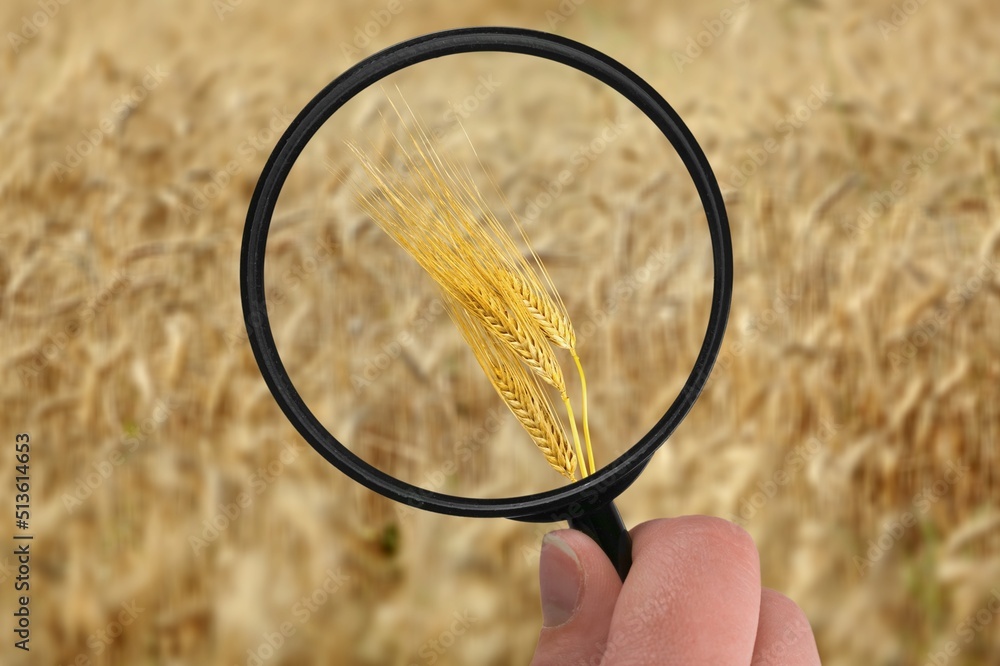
[
  {"x": 553, "y": 323},
  {"x": 523, "y": 340}
]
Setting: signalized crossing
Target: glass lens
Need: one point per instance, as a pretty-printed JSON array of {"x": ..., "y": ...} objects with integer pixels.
[{"x": 368, "y": 335}]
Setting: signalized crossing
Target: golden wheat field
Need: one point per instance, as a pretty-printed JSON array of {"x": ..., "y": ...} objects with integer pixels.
[{"x": 851, "y": 424}]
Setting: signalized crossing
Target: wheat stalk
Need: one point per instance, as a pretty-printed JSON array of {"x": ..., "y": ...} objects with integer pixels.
[{"x": 438, "y": 215}]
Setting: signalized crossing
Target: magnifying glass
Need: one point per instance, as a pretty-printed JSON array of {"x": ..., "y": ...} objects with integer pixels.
[{"x": 587, "y": 504}]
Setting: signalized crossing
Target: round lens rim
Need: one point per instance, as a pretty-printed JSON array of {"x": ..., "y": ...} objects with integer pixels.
[{"x": 561, "y": 503}]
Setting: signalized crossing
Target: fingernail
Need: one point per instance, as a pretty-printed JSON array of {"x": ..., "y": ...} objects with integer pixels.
[{"x": 560, "y": 580}]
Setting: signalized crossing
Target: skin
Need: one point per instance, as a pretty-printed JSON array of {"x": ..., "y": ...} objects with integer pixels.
[{"x": 693, "y": 596}]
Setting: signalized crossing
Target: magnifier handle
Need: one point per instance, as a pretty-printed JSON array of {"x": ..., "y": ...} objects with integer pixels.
[{"x": 605, "y": 526}]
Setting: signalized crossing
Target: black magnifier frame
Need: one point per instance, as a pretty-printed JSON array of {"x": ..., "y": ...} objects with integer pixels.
[{"x": 587, "y": 503}]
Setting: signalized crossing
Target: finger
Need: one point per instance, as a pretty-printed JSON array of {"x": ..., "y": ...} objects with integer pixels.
[
  {"x": 579, "y": 586},
  {"x": 691, "y": 597},
  {"x": 784, "y": 637}
]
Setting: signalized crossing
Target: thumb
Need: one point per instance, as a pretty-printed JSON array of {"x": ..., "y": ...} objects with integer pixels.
[{"x": 579, "y": 589}]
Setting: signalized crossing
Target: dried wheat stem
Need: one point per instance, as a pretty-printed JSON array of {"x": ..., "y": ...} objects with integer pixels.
[{"x": 586, "y": 421}]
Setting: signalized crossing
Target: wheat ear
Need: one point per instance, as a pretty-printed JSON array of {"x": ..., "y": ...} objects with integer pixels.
[
  {"x": 520, "y": 391},
  {"x": 549, "y": 313},
  {"x": 553, "y": 321},
  {"x": 441, "y": 219}
]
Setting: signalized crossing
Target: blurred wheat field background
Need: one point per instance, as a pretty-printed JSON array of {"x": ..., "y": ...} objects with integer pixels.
[{"x": 851, "y": 423}]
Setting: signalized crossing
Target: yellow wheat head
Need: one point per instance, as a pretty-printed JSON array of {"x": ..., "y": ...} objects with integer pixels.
[{"x": 512, "y": 318}]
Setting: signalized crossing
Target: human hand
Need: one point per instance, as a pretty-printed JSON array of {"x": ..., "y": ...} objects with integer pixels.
[{"x": 693, "y": 596}]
